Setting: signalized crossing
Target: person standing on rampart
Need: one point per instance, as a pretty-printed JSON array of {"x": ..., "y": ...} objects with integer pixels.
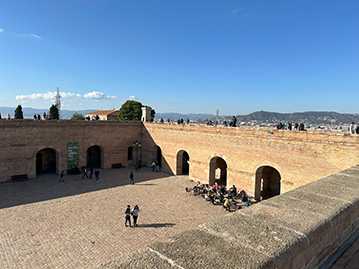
[
  {"x": 352, "y": 128},
  {"x": 234, "y": 121}
]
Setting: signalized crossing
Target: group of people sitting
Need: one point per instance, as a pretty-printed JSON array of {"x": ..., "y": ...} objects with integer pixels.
[{"x": 219, "y": 195}]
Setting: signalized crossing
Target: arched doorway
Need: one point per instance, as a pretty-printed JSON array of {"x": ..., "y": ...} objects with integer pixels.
[
  {"x": 218, "y": 171},
  {"x": 159, "y": 156},
  {"x": 182, "y": 163},
  {"x": 267, "y": 183},
  {"x": 46, "y": 161},
  {"x": 94, "y": 157}
]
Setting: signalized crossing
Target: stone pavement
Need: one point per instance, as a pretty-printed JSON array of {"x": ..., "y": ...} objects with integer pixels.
[{"x": 80, "y": 223}]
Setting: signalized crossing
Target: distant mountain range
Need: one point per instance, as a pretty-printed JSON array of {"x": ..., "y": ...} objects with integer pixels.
[
  {"x": 173, "y": 116},
  {"x": 29, "y": 112},
  {"x": 310, "y": 117}
]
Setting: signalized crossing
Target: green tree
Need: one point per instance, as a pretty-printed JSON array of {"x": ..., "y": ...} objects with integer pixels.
[
  {"x": 153, "y": 113},
  {"x": 18, "y": 112},
  {"x": 54, "y": 113},
  {"x": 77, "y": 116},
  {"x": 130, "y": 110},
  {"x": 58, "y": 101}
]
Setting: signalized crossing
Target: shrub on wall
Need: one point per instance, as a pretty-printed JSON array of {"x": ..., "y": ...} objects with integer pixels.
[{"x": 18, "y": 113}]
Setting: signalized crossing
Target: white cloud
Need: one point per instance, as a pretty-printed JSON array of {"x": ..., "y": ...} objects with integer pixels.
[
  {"x": 97, "y": 95},
  {"x": 52, "y": 96},
  {"x": 235, "y": 10},
  {"x": 35, "y": 36},
  {"x": 29, "y": 36},
  {"x": 134, "y": 98},
  {"x": 1, "y": 30}
]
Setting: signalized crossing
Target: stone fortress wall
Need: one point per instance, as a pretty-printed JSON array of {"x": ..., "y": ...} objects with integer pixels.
[
  {"x": 299, "y": 157},
  {"x": 22, "y": 140}
]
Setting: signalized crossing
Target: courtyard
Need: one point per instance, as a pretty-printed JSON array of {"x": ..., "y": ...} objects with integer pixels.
[{"x": 80, "y": 223}]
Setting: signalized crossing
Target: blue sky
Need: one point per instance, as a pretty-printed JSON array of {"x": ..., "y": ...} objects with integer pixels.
[{"x": 181, "y": 56}]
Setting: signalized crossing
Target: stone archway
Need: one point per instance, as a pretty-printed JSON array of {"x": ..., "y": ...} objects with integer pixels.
[
  {"x": 218, "y": 171},
  {"x": 267, "y": 183},
  {"x": 158, "y": 155},
  {"x": 94, "y": 157},
  {"x": 182, "y": 163},
  {"x": 46, "y": 161}
]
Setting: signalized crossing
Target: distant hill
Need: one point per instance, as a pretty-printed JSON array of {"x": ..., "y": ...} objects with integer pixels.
[
  {"x": 29, "y": 112},
  {"x": 311, "y": 117},
  {"x": 174, "y": 116}
]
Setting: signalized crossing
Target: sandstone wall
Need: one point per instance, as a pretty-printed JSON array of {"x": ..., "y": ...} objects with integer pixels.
[
  {"x": 21, "y": 140},
  {"x": 299, "y": 157}
]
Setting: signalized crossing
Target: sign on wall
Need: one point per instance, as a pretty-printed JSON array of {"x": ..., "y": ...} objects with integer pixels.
[{"x": 72, "y": 154}]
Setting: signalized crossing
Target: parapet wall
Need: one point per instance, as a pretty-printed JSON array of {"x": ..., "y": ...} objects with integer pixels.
[
  {"x": 299, "y": 229},
  {"x": 299, "y": 157}
]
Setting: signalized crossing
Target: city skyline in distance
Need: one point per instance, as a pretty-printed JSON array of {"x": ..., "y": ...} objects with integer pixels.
[{"x": 183, "y": 57}]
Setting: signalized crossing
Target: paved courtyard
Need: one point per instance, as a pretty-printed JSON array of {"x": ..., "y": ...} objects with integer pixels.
[{"x": 80, "y": 223}]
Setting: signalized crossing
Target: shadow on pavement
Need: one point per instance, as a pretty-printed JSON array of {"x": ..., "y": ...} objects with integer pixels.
[
  {"x": 47, "y": 186},
  {"x": 157, "y": 225}
]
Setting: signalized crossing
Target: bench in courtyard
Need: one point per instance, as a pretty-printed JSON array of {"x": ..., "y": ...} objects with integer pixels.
[
  {"x": 117, "y": 165},
  {"x": 21, "y": 177}
]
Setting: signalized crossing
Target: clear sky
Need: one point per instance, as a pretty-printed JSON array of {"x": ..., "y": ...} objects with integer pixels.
[{"x": 186, "y": 56}]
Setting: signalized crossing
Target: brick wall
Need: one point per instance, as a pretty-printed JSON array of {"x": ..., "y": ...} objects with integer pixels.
[
  {"x": 21, "y": 140},
  {"x": 299, "y": 157}
]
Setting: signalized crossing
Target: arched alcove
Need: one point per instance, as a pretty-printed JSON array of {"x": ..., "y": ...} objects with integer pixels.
[
  {"x": 218, "y": 171},
  {"x": 182, "y": 161},
  {"x": 267, "y": 182},
  {"x": 46, "y": 161},
  {"x": 94, "y": 157},
  {"x": 158, "y": 154}
]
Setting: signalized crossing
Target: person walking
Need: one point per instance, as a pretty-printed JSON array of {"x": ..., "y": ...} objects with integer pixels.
[
  {"x": 61, "y": 177},
  {"x": 128, "y": 215},
  {"x": 90, "y": 172},
  {"x": 97, "y": 175},
  {"x": 84, "y": 170},
  {"x": 137, "y": 166},
  {"x": 134, "y": 214},
  {"x": 132, "y": 182}
]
